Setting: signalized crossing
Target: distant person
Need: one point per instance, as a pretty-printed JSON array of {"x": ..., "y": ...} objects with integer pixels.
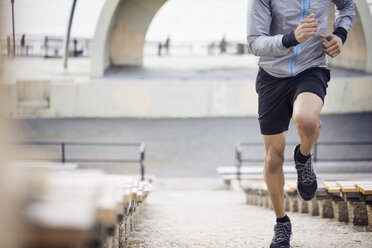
[
  {"x": 75, "y": 51},
  {"x": 23, "y": 44},
  {"x": 290, "y": 39},
  {"x": 167, "y": 45},
  {"x": 223, "y": 45},
  {"x": 160, "y": 46},
  {"x": 46, "y": 40}
]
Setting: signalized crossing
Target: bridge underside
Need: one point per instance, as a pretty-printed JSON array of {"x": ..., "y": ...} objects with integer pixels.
[{"x": 121, "y": 30}]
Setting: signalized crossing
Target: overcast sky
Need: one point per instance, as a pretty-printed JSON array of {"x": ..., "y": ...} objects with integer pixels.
[{"x": 184, "y": 20}]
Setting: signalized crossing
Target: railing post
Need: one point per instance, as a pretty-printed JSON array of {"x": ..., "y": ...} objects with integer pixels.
[
  {"x": 63, "y": 153},
  {"x": 238, "y": 158},
  {"x": 142, "y": 159}
]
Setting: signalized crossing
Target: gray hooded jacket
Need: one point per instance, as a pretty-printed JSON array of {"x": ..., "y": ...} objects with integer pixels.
[{"x": 269, "y": 20}]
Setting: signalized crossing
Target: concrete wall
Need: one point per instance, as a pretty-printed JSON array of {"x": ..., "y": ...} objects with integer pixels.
[{"x": 154, "y": 99}]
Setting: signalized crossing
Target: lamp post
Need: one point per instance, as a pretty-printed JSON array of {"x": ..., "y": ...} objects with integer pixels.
[
  {"x": 67, "y": 37},
  {"x": 14, "y": 46}
]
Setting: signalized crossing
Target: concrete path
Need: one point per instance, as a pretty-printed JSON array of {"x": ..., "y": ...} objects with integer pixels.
[{"x": 217, "y": 218}]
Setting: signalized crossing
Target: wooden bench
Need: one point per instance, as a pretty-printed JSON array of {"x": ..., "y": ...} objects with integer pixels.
[
  {"x": 345, "y": 201},
  {"x": 84, "y": 208},
  {"x": 357, "y": 211},
  {"x": 325, "y": 171}
]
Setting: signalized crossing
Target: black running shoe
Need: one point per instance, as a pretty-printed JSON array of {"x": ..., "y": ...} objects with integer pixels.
[
  {"x": 306, "y": 179},
  {"x": 282, "y": 235}
]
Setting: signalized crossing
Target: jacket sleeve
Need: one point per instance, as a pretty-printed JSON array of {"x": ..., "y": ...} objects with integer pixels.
[
  {"x": 260, "y": 43},
  {"x": 345, "y": 12}
]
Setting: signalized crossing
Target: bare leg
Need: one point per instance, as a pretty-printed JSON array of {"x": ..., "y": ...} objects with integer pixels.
[
  {"x": 273, "y": 170},
  {"x": 306, "y": 112}
]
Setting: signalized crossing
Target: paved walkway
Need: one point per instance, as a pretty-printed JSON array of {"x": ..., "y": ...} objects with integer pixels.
[{"x": 216, "y": 218}]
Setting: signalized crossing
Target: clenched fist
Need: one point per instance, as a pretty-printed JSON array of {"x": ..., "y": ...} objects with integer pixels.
[
  {"x": 306, "y": 29},
  {"x": 334, "y": 45}
]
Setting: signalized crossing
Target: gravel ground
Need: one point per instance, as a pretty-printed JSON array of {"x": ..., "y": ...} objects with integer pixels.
[{"x": 215, "y": 218}]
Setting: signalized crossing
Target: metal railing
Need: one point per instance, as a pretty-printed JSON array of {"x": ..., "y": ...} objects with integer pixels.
[
  {"x": 239, "y": 160},
  {"x": 64, "y": 158}
]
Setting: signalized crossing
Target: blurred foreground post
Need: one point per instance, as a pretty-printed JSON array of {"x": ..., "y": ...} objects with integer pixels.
[
  {"x": 67, "y": 37},
  {"x": 14, "y": 51},
  {"x": 8, "y": 46}
]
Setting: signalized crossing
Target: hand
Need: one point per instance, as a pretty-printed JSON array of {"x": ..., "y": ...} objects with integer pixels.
[
  {"x": 306, "y": 29},
  {"x": 334, "y": 45}
]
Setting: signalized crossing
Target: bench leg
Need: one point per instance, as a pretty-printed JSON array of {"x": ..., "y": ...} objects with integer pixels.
[
  {"x": 340, "y": 211},
  {"x": 313, "y": 207},
  {"x": 248, "y": 198},
  {"x": 287, "y": 204},
  {"x": 357, "y": 213},
  {"x": 303, "y": 206},
  {"x": 267, "y": 201},
  {"x": 325, "y": 208},
  {"x": 369, "y": 212},
  {"x": 293, "y": 204}
]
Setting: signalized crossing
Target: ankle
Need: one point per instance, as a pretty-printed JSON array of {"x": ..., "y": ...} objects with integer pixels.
[
  {"x": 301, "y": 157},
  {"x": 283, "y": 219}
]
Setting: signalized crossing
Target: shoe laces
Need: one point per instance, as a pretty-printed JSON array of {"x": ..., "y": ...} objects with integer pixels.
[
  {"x": 281, "y": 233},
  {"x": 307, "y": 173}
]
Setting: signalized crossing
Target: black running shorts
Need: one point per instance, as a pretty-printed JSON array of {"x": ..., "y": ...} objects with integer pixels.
[{"x": 277, "y": 95}]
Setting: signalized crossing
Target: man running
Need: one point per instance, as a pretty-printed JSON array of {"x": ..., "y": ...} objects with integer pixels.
[{"x": 290, "y": 38}]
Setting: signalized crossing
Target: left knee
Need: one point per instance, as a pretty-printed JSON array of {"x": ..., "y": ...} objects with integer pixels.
[{"x": 307, "y": 123}]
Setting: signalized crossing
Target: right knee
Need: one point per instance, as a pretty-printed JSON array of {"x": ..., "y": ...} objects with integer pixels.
[{"x": 274, "y": 161}]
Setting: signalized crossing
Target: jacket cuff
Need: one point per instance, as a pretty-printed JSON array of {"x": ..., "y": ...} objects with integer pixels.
[
  {"x": 289, "y": 40},
  {"x": 342, "y": 33}
]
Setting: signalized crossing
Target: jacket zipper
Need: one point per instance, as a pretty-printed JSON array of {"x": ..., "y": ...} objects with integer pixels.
[{"x": 298, "y": 46}]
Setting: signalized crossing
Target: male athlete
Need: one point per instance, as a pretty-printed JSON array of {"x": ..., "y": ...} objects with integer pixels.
[{"x": 290, "y": 38}]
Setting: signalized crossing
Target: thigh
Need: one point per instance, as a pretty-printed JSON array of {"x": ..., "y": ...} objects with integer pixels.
[
  {"x": 307, "y": 103},
  {"x": 310, "y": 91}
]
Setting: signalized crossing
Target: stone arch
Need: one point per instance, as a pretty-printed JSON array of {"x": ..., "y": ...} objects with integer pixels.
[
  {"x": 120, "y": 33},
  {"x": 357, "y": 52}
]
